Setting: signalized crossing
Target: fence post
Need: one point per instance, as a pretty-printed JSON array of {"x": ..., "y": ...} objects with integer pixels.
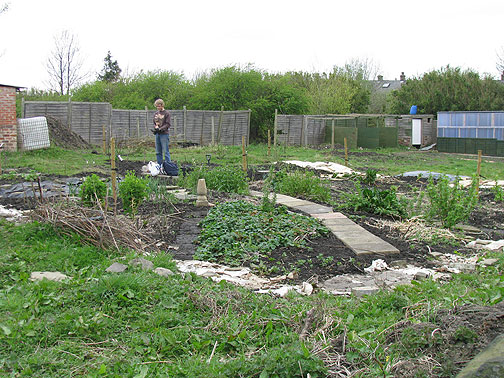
[
  {"x": 346, "y": 152},
  {"x": 146, "y": 117},
  {"x": 202, "y": 127},
  {"x": 221, "y": 115},
  {"x": 185, "y": 123},
  {"x": 104, "y": 139},
  {"x": 244, "y": 154},
  {"x": 175, "y": 130},
  {"x": 306, "y": 120},
  {"x": 275, "y": 129},
  {"x": 138, "y": 128},
  {"x": 248, "y": 126},
  {"x": 234, "y": 130},
  {"x": 69, "y": 113},
  {"x": 23, "y": 107},
  {"x": 213, "y": 131},
  {"x": 269, "y": 142},
  {"x": 89, "y": 123}
]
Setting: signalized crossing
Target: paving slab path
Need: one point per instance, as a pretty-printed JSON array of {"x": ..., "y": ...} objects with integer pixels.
[{"x": 355, "y": 237}]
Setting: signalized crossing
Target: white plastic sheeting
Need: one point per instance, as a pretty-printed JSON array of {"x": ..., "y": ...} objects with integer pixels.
[{"x": 33, "y": 133}]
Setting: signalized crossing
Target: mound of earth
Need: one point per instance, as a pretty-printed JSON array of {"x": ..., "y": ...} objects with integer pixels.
[{"x": 62, "y": 136}]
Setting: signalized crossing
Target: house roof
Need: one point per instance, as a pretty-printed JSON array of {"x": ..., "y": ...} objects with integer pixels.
[
  {"x": 386, "y": 85},
  {"x": 11, "y": 86}
]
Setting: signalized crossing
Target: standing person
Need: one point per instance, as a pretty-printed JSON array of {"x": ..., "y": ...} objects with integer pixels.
[{"x": 162, "y": 123}]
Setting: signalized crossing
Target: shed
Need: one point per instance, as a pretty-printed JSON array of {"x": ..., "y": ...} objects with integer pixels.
[{"x": 470, "y": 131}]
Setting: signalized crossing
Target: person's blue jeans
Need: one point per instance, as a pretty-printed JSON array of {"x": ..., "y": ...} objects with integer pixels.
[{"x": 162, "y": 143}]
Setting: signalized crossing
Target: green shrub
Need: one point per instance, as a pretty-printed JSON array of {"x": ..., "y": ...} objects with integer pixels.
[
  {"x": 222, "y": 179},
  {"x": 132, "y": 191},
  {"x": 305, "y": 184},
  {"x": 376, "y": 201},
  {"x": 450, "y": 203},
  {"x": 92, "y": 190}
]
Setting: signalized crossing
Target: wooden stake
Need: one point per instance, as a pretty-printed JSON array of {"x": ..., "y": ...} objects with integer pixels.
[
  {"x": 346, "y": 152},
  {"x": 244, "y": 154},
  {"x": 478, "y": 170},
  {"x": 269, "y": 142},
  {"x": 275, "y": 126},
  {"x": 114, "y": 173},
  {"x": 332, "y": 135},
  {"x": 104, "y": 139},
  {"x": 213, "y": 131}
]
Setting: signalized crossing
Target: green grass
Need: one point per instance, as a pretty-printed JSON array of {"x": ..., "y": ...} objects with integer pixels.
[
  {"x": 388, "y": 161},
  {"x": 140, "y": 324}
]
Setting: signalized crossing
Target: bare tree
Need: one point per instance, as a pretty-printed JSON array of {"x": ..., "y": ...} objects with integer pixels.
[
  {"x": 64, "y": 65},
  {"x": 500, "y": 61},
  {"x": 3, "y": 8}
]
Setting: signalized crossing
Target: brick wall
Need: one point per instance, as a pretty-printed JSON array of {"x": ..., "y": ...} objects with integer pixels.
[{"x": 8, "y": 121}]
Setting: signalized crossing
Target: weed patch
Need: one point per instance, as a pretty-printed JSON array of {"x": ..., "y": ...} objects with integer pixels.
[
  {"x": 450, "y": 204},
  {"x": 376, "y": 201}
]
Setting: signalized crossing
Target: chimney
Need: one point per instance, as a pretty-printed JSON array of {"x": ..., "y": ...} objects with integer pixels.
[
  {"x": 380, "y": 77},
  {"x": 402, "y": 77}
]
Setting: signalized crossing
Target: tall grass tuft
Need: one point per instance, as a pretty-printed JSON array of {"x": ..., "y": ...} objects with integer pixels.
[
  {"x": 305, "y": 184},
  {"x": 222, "y": 179}
]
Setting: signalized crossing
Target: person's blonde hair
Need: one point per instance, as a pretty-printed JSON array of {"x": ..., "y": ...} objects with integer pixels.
[{"x": 159, "y": 102}]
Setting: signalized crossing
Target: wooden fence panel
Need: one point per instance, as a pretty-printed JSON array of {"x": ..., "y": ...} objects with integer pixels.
[{"x": 194, "y": 126}]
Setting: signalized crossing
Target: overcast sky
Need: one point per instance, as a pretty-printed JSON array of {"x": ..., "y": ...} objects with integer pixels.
[{"x": 190, "y": 36}]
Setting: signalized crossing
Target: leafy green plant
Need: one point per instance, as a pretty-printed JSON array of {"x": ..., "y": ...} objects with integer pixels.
[
  {"x": 268, "y": 200},
  {"x": 370, "y": 177},
  {"x": 223, "y": 179},
  {"x": 449, "y": 202},
  {"x": 132, "y": 191},
  {"x": 376, "y": 201},
  {"x": 240, "y": 231},
  {"x": 92, "y": 189},
  {"x": 299, "y": 183},
  {"x": 498, "y": 192}
]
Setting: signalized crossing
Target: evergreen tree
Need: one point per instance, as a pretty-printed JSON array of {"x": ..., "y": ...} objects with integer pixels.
[{"x": 110, "y": 71}]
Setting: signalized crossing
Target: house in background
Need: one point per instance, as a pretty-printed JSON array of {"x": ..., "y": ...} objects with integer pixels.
[
  {"x": 8, "y": 120},
  {"x": 380, "y": 89}
]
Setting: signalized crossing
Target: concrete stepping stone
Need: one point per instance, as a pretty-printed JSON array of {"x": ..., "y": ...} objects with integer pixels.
[{"x": 355, "y": 237}]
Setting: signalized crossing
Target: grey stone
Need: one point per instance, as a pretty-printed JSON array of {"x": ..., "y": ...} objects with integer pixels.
[
  {"x": 488, "y": 262},
  {"x": 399, "y": 264},
  {"x": 464, "y": 267},
  {"x": 145, "y": 264},
  {"x": 51, "y": 276},
  {"x": 116, "y": 268},
  {"x": 163, "y": 272},
  {"x": 365, "y": 290},
  {"x": 489, "y": 363},
  {"x": 419, "y": 276}
]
